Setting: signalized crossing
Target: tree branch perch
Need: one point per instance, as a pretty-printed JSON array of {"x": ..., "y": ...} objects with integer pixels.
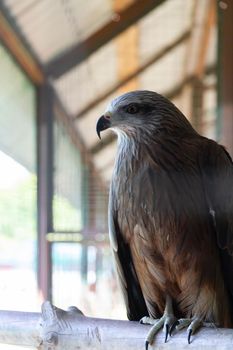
[{"x": 56, "y": 329}]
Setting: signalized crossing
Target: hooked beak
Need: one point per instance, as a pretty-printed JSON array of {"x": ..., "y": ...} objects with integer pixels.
[{"x": 103, "y": 123}]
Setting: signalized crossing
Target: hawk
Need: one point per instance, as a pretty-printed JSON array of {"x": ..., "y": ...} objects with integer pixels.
[{"x": 170, "y": 216}]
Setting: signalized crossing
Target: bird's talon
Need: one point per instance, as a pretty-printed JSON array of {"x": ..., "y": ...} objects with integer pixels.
[
  {"x": 146, "y": 345},
  {"x": 190, "y": 331},
  {"x": 166, "y": 332},
  {"x": 173, "y": 327}
]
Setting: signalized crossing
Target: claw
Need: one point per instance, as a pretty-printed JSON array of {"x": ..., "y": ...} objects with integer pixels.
[
  {"x": 173, "y": 327},
  {"x": 165, "y": 322},
  {"x": 166, "y": 333},
  {"x": 189, "y": 335}
]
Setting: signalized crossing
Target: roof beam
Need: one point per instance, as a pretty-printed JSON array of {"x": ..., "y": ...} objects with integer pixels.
[
  {"x": 134, "y": 12},
  {"x": 202, "y": 24},
  {"x": 208, "y": 26},
  {"x": 14, "y": 44},
  {"x": 225, "y": 56},
  {"x": 183, "y": 37},
  {"x": 127, "y": 62}
]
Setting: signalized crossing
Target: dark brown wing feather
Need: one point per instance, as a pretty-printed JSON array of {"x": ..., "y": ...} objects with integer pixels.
[
  {"x": 134, "y": 301},
  {"x": 217, "y": 170}
]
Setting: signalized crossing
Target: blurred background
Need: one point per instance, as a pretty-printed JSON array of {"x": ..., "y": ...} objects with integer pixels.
[{"x": 61, "y": 62}]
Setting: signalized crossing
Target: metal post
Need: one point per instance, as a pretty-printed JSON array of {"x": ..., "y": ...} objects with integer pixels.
[
  {"x": 45, "y": 187},
  {"x": 84, "y": 263}
]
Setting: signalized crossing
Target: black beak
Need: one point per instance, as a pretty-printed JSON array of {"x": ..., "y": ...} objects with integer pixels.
[{"x": 102, "y": 124}]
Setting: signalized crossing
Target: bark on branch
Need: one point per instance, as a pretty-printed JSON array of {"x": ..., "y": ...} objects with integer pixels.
[{"x": 56, "y": 329}]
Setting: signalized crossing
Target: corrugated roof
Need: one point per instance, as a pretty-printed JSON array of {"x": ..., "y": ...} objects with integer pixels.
[{"x": 51, "y": 27}]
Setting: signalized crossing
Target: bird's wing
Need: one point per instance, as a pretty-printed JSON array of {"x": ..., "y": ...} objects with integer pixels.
[
  {"x": 217, "y": 174},
  {"x": 133, "y": 297}
]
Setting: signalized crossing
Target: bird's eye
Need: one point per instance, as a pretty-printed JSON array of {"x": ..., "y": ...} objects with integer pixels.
[{"x": 132, "y": 109}]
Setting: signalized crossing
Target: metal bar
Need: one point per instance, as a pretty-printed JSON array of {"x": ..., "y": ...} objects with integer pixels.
[
  {"x": 45, "y": 187},
  {"x": 225, "y": 72},
  {"x": 135, "y": 73},
  {"x": 92, "y": 205},
  {"x": 87, "y": 237},
  {"x": 84, "y": 263},
  {"x": 60, "y": 330},
  {"x": 109, "y": 31}
]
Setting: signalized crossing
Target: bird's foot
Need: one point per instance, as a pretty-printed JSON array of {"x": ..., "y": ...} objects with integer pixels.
[
  {"x": 167, "y": 322},
  {"x": 192, "y": 324}
]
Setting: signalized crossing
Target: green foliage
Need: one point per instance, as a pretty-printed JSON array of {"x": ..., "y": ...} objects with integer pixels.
[
  {"x": 66, "y": 216},
  {"x": 18, "y": 210}
]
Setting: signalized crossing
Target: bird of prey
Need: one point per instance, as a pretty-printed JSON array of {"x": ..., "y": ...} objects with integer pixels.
[{"x": 170, "y": 217}]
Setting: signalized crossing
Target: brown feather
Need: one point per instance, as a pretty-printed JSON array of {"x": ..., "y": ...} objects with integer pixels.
[{"x": 162, "y": 208}]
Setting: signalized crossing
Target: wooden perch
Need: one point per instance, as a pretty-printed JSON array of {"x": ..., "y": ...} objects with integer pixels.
[{"x": 56, "y": 329}]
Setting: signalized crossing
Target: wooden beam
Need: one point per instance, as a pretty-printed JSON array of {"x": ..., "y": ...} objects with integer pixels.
[
  {"x": 128, "y": 58},
  {"x": 14, "y": 44},
  {"x": 208, "y": 26},
  {"x": 124, "y": 19},
  {"x": 127, "y": 51},
  {"x": 183, "y": 37},
  {"x": 57, "y": 329},
  {"x": 202, "y": 24},
  {"x": 127, "y": 61},
  {"x": 225, "y": 72}
]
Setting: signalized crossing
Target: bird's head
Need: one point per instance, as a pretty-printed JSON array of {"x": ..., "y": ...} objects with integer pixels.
[{"x": 142, "y": 111}]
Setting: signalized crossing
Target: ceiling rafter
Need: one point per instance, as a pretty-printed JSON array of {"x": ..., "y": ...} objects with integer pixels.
[
  {"x": 183, "y": 37},
  {"x": 77, "y": 54},
  {"x": 205, "y": 38},
  {"x": 204, "y": 18},
  {"x": 127, "y": 63},
  {"x": 13, "y": 42}
]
